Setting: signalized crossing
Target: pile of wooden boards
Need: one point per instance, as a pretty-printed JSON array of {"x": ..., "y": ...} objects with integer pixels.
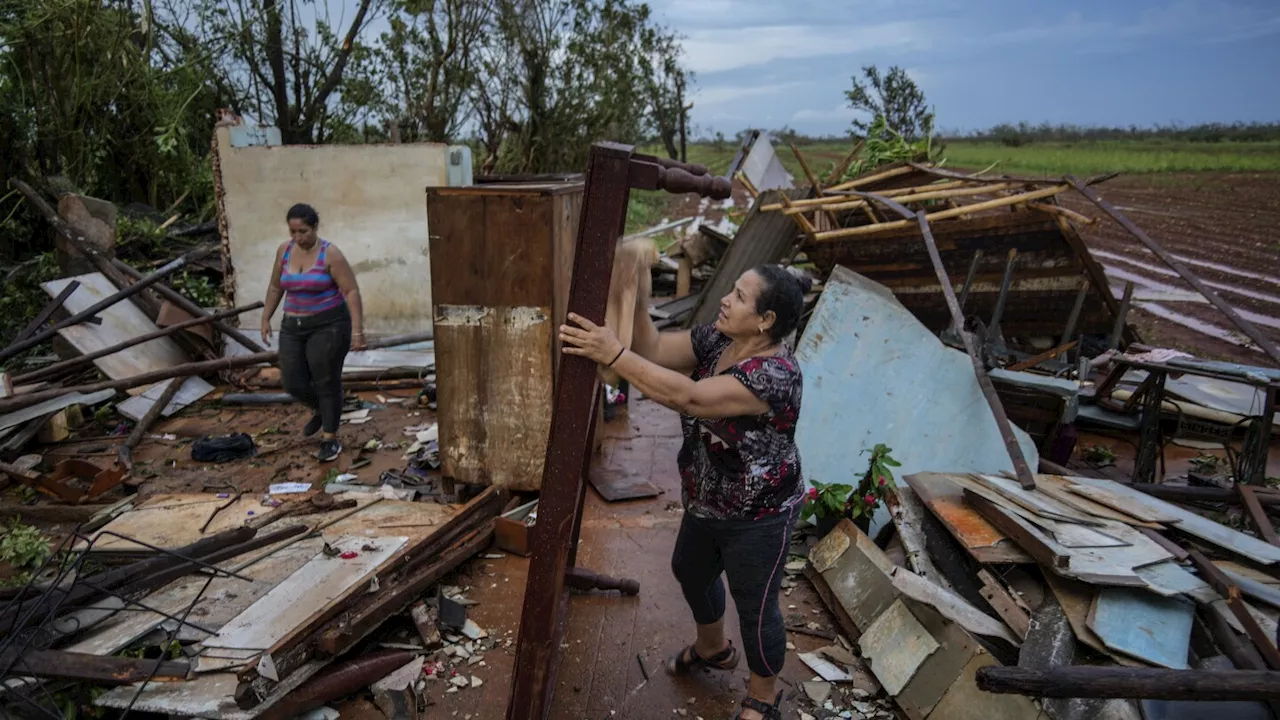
[
  {"x": 293, "y": 591},
  {"x": 1155, "y": 599}
]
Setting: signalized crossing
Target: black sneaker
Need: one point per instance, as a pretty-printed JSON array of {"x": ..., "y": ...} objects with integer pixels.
[
  {"x": 312, "y": 426},
  {"x": 329, "y": 450}
]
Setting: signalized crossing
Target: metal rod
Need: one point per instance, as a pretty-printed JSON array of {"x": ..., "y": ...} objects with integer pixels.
[
  {"x": 1023, "y": 471},
  {"x": 94, "y": 309},
  {"x": 1117, "y": 330},
  {"x": 1269, "y": 347},
  {"x": 1074, "y": 318},
  {"x": 80, "y": 360},
  {"x": 968, "y": 282},
  {"x": 47, "y": 312},
  {"x": 192, "y": 309},
  {"x": 1005, "y": 284}
]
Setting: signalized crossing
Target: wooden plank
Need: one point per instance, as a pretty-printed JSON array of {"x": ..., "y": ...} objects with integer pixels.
[
  {"x": 120, "y": 322},
  {"x": 325, "y": 581},
  {"x": 1138, "y": 510},
  {"x": 1257, "y": 515},
  {"x": 494, "y": 391},
  {"x": 951, "y": 606},
  {"x": 1143, "y": 625},
  {"x": 1039, "y": 503},
  {"x": 1193, "y": 524},
  {"x": 1058, "y": 488},
  {"x": 576, "y": 388},
  {"x": 909, "y": 519},
  {"x": 975, "y": 534},
  {"x": 171, "y": 521},
  {"x": 1003, "y": 602},
  {"x": 895, "y": 645},
  {"x": 1262, "y": 641},
  {"x": 1076, "y": 599},
  {"x": 62, "y": 665}
]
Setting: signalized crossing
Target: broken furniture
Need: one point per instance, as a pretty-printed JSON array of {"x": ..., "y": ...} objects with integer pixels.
[
  {"x": 1148, "y": 401},
  {"x": 501, "y": 254},
  {"x": 611, "y": 173}
]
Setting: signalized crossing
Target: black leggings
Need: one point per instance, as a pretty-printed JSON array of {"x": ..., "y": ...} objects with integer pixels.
[
  {"x": 312, "y": 350},
  {"x": 751, "y": 553}
]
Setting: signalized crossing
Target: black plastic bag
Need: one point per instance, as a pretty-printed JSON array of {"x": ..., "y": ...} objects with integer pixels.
[{"x": 222, "y": 449}]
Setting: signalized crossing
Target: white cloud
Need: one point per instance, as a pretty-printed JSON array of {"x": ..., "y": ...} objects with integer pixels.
[
  {"x": 731, "y": 94},
  {"x": 839, "y": 112},
  {"x": 710, "y": 51}
]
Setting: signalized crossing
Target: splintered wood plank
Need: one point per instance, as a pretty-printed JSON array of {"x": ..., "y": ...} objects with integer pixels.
[
  {"x": 895, "y": 646},
  {"x": 1076, "y": 599},
  {"x": 326, "y": 580},
  {"x": 1058, "y": 487},
  {"x": 980, "y": 538},
  {"x": 494, "y": 366},
  {"x": 1035, "y": 501},
  {"x": 951, "y": 606},
  {"x": 999, "y": 597}
]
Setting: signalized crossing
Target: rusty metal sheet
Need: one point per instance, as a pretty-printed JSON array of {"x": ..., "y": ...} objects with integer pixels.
[
  {"x": 895, "y": 646},
  {"x": 980, "y": 538}
]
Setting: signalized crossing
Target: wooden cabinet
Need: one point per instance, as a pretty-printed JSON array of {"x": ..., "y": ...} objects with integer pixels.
[{"x": 501, "y": 260}]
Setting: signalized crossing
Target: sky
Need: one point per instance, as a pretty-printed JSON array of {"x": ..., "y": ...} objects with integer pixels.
[{"x": 770, "y": 63}]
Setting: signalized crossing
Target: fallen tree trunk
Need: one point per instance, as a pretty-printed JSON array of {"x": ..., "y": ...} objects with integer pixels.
[{"x": 1082, "y": 681}]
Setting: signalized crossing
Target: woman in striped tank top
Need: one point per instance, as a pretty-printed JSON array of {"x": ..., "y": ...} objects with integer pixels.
[{"x": 323, "y": 319}]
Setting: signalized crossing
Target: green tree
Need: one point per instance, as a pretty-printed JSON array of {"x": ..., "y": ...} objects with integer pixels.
[
  {"x": 896, "y": 97},
  {"x": 431, "y": 60},
  {"x": 283, "y": 61}
]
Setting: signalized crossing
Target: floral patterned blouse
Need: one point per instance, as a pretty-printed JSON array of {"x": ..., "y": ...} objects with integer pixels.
[{"x": 745, "y": 467}]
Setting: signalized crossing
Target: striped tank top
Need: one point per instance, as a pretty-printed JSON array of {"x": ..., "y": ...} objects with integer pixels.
[{"x": 312, "y": 291}]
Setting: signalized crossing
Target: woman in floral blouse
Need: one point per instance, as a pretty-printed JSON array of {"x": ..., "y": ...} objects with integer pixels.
[{"x": 737, "y": 387}]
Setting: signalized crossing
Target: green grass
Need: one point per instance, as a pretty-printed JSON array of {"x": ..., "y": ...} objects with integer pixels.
[
  {"x": 1043, "y": 158},
  {"x": 1127, "y": 156}
]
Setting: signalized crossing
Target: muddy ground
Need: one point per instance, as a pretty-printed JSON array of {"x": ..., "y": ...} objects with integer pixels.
[{"x": 1222, "y": 226}]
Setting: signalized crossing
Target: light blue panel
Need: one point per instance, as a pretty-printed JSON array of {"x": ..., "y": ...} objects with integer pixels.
[
  {"x": 254, "y": 135},
  {"x": 874, "y": 374},
  {"x": 458, "y": 167},
  {"x": 1144, "y": 625}
]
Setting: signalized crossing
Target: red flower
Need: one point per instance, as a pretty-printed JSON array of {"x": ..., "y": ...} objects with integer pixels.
[
  {"x": 813, "y": 493},
  {"x": 883, "y": 482},
  {"x": 870, "y": 500}
]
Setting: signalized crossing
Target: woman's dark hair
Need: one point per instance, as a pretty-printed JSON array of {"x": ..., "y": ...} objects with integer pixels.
[
  {"x": 782, "y": 294},
  {"x": 305, "y": 213}
]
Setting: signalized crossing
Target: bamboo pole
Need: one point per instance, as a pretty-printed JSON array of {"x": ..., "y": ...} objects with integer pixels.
[
  {"x": 843, "y": 195},
  {"x": 942, "y": 214},
  {"x": 801, "y": 220},
  {"x": 843, "y": 167},
  {"x": 873, "y": 178},
  {"x": 843, "y": 204},
  {"x": 1071, "y": 215},
  {"x": 44, "y": 372},
  {"x": 813, "y": 182}
]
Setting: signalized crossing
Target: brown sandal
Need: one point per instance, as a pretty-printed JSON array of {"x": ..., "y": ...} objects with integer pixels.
[
  {"x": 726, "y": 659},
  {"x": 768, "y": 712}
]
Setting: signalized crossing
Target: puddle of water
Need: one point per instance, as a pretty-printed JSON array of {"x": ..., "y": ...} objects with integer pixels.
[
  {"x": 1160, "y": 270},
  {"x": 1199, "y": 326},
  {"x": 1274, "y": 280},
  {"x": 1148, "y": 284}
]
